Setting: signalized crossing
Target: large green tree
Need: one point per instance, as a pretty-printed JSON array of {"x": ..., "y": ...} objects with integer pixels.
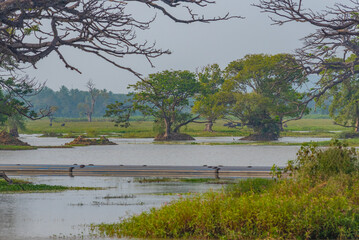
[
  {"x": 209, "y": 102},
  {"x": 264, "y": 92},
  {"x": 165, "y": 96}
]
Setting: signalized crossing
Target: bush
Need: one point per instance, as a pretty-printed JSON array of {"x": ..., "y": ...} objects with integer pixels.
[
  {"x": 318, "y": 164},
  {"x": 253, "y": 185}
]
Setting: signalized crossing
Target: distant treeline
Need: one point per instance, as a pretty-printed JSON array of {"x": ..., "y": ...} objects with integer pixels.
[{"x": 71, "y": 103}]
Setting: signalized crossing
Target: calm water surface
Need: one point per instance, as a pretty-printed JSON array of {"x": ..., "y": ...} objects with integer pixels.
[{"x": 143, "y": 151}]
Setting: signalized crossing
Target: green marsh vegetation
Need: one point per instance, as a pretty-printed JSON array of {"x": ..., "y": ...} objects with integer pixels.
[
  {"x": 15, "y": 148},
  {"x": 12, "y": 147},
  {"x": 21, "y": 186},
  {"x": 186, "y": 180},
  {"x": 319, "y": 201}
]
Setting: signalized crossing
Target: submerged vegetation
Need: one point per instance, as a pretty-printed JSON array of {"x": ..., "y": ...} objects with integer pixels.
[
  {"x": 26, "y": 186},
  {"x": 320, "y": 201}
]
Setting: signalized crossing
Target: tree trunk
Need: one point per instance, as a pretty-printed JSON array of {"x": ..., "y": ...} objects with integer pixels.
[
  {"x": 168, "y": 128},
  {"x": 208, "y": 127},
  {"x": 177, "y": 128},
  {"x": 356, "y": 118},
  {"x": 89, "y": 117},
  {"x": 14, "y": 132},
  {"x": 281, "y": 124}
]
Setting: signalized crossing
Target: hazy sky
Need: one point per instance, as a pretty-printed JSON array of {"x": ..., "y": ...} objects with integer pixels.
[{"x": 193, "y": 46}]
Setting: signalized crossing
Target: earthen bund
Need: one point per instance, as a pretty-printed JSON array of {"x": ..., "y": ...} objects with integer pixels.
[{"x": 137, "y": 170}]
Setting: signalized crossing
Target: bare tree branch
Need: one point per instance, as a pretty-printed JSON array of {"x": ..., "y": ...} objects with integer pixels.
[
  {"x": 30, "y": 30},
  {"x": 336, "y": 38}
]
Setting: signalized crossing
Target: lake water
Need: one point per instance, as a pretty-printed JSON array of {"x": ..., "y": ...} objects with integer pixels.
[
  {"x": 143, "y": 151},
  {"x": 67, "y": 214}
]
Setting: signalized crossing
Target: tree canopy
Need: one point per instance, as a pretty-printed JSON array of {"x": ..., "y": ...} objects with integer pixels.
[
  {"x": 209, "y": 102},
  {"x": 264, "y": 91},
  {"x": 165, "y": 95}
]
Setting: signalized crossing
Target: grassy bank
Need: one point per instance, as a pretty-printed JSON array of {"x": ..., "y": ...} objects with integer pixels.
[
  {"x": 15, "y": 148},
  {"x": 321, "y": 201},
  {"x": 144, "y": 129},
  {"x": 20, "y": 186},
  {"x": 11, "y": 147}
]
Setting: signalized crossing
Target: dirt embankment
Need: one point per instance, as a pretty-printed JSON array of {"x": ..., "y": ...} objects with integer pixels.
[
  {"x": 174, "y": 137},
  {"x": 81, "y": 140},
  {"x": 7, "y": 139}
]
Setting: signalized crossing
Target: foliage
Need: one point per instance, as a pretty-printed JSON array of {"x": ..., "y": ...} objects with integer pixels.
[
  {"x": 120, "y": 113},
  {"x": 15, "y": 122},
  {"x": 254, "y": 111},
  {"x": 263, "y": 91},
  {"x": 320, "y": 164},
  {"x": 13, "y": 93},
  {"x": 25, "y": 186},
  {"x": 250, "y": 185},
  {"x": 208, "y": 103},
  {"x": 165, "y": 96},
  {"x": 69, "y": 103}
]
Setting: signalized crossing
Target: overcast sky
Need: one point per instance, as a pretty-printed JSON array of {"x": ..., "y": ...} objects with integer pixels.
[{"x": 193, "y": 46}]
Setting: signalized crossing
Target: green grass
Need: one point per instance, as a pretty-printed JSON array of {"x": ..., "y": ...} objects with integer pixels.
[
  {"x": 11, "y": 147},
  {"x": 315, "y": 125},
  {"x": 16, "y": 148},
  {"x": 144, "y": 129},
  {"x": 20, "y": 186}
]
